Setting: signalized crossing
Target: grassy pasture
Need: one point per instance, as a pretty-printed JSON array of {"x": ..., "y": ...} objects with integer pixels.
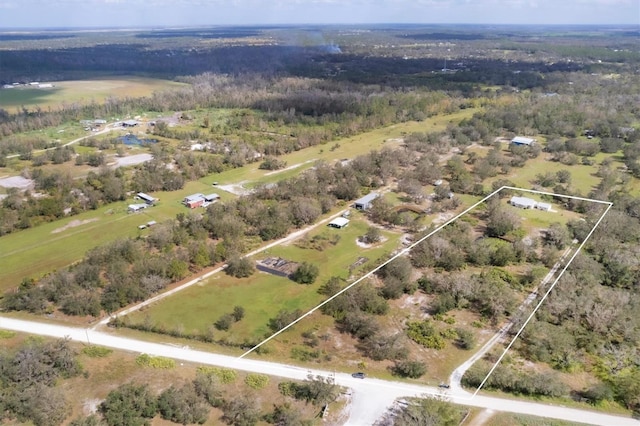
[
  {"x": 263, "y": 295},
  {"x": 35, "y": 251},
  {"x": 82, "y": 91}
]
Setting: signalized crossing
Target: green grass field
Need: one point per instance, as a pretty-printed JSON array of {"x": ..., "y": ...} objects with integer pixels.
[
  {"x": 263, "y": 295},
  {"x": 81, "y": 91}
]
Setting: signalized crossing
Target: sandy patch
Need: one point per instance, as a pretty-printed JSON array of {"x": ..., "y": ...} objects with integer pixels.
[
  {"x": 236, "y": 188},
  {"x": 295, "y": 166},
  {"x": 133, "y": 160},
  {"x": 16, "y": 182},
  {"x": 73, "y": 224},
  {"x": 362, "y": 244},
  {"x": 90, "y": 406},
  {"x": 443, "y": 217}
]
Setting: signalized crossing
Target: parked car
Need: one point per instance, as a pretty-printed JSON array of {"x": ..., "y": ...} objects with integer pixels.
[
  {"x": 358, "y": 375},
  {"x": 443, "y": 385}
]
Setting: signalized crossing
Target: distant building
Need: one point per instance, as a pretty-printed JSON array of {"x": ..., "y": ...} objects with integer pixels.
[
  {"x": 146, "y": 198},
  {"x": 130, "y": 123},
  {"x": 45, "y": 86},
  {"x": 339, "y": 223},
  {"x": 523, "y": 202},
  {"x": 193, "y": 201},
  {"x": 211, "y": 197},
  {"x": 151, "y": 223},
  {"x": 522, "y": 141},
  {"x": 364, "y": 203},
  {"x": 543, "y": 206},
  {"x": 99, "y": 122},
  {"x": 133, "y": 208}
]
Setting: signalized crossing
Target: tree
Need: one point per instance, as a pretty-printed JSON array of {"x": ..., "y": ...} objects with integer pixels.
[
  {"x": 500, "y": 222},
  {"x": 373, "y": 235},
  {"x": 425, "y": 412},
  {"x": 283, "y": 319},
  {"x": 557, "y": 235},
  {"x": 306, "y": 273},
  {"x": 129, "y": 404},
  {"x": 238, "y": 313},
  {"x": 240, "y": 267},
  {"x": 242, "y": 410},
  {"x": 466, "y": 338},
  {"x": 183, "y": 405},
  {"x": 408, "y": 368}
]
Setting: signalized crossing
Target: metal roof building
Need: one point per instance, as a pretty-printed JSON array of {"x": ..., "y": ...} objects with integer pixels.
[{"x": 364, "y": 203}]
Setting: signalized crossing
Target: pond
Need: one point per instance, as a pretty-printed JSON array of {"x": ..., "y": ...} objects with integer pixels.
[{"x": 134, "y": 140}]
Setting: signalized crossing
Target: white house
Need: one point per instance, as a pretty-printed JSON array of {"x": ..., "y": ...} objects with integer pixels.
[
  {"x": 523, "y": 202},
  {"x": 339, "y": 222},
  {"x": 522, "y": 141}
]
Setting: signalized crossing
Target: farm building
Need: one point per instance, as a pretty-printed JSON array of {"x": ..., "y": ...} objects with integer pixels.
[
  {"x": 277, "y": 266},
  {"x": 193, "y": 201},
  {"x": 146, "y": 198},
  {"x": 130, "y": 123},
  {"x": 523, "y": 202},
  {"x": 151, "y": 223},
  {"x": 99, "y": 122},
  {"x": 522, "y": 141},
  {"x": 339, "y": 222},
  {"x": 364, "y": 203},
  {"x": 136, "y": 207},
  {"x": 211, "y": 197},
  {"x": 543, "y": 206}
]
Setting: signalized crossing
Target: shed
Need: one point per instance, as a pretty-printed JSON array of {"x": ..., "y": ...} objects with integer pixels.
[
  {"x": 99, "y": 121},
  {"x": 136, "y": 207},
  {"x": 522, "y": 202},
  {"x": 364, "y": 203},
  {"x": 339, "y": 222},
  {"x": 543, "y": 206},
  {"x": 211, "y": 197},
  {"x": 151, "y": 223},
  {"x": 522, "y": 141},
  {"x": 192, "y": 197},
  {"x": 146, "y": 198},
  {"x": 130, "y": 123}
]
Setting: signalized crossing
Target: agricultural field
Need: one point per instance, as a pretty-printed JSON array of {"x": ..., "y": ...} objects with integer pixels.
[{"x": 81, "y": 92}]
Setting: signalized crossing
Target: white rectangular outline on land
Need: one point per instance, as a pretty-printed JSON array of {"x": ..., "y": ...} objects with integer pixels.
[{"x": 448, "y": 222}]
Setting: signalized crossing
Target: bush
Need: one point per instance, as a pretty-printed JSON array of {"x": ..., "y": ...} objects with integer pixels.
[
  {"x": 256, "y": 381},
  {"x": 94, "y": 351},
  {"x": 225, "y": 375},
  {"x": 155, "y": 362},
  {"x": 411, "y": 369},
  {"x": 425, "y": 334},
  {"x": 224, "y": 322},
  {"x": 466, "y": 339},
  {"x": 306, "y": 273},
  {"x": 240, "y": 267}
]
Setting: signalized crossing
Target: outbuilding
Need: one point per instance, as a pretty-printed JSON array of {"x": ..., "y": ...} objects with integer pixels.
[
  {"x": 211, "y": 197},
  {"x": 193, "y": 201},
  {"x": 133, "y": 208},
  {"x": 543, "y": 206},
  {"x": 130, "y": 123},
  {"x": 146, "y": 198},
  {"x": 364, "y": 203},
  {"x": 522, "y": 202},
  {"x": 339, "y": 222},
  {"x": 522, "y": 141}
]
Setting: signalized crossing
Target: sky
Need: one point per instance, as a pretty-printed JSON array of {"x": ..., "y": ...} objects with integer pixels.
[{"x": 153, "y": 13}]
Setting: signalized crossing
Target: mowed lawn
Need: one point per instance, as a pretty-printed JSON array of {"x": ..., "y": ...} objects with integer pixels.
[
  {"x": 82, "y": 91},
  {"x": 263, "y": 295}
]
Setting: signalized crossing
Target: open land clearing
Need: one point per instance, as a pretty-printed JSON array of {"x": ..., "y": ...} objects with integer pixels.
[
  {"x": 82, "y": 91},
  {"x": 264, "y": 295},
  {"x": 32, "y": 253}
]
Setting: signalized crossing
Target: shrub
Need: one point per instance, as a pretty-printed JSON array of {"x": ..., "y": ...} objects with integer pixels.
[
  {"x": 240, "y": 267},
  {"x": 306, "y": 273},
  {"x": 155, "y": 362},
  {"x": 7, "y": 334},
  {"x": 94, "y": 351},
  {"x": 411, "y": 369},
  {"x": 256, "y": 381},
  {"x": 425, "y": 334},
  {"x": 225, "y": 375}
]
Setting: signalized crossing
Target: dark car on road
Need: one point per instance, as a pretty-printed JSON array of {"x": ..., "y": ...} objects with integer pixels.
[{"x": 358, "y": 375}]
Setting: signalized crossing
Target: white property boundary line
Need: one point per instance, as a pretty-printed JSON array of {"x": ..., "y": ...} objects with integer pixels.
[
  {"x": 609, "y": 205},
  {"x": 407, "y": 249}
]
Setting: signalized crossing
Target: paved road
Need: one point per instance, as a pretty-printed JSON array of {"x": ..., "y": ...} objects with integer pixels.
[{"x": 370, "y": 397}]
